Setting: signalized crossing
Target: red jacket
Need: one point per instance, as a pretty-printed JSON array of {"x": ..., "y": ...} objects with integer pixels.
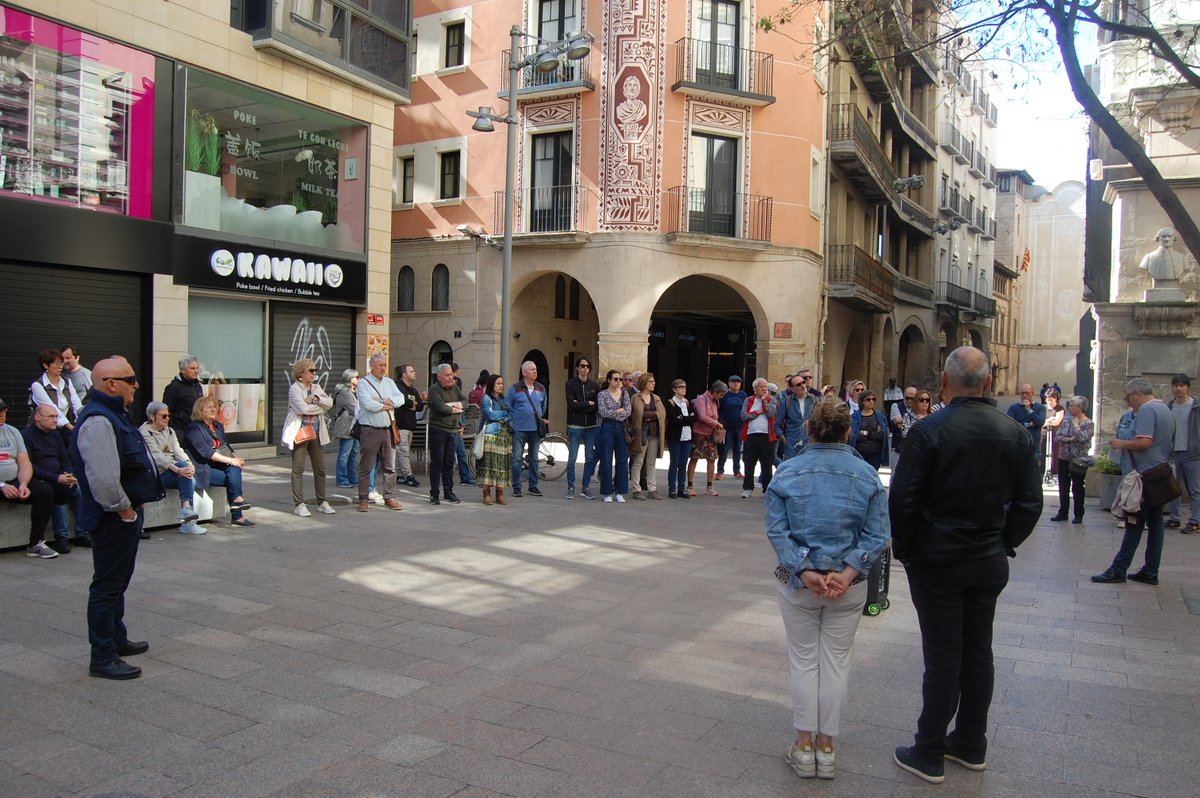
[{"x": 770, "y": 418}]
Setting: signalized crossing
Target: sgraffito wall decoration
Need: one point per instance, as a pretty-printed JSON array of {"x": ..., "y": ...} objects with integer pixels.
[{"x": 632, "y": 81}]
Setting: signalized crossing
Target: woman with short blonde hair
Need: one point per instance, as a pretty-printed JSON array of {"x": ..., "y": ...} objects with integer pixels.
[{"x": 306, "y": 433}]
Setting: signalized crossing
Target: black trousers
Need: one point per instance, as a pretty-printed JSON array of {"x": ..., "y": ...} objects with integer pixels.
[
  {"x": 1069, "y": 483},
  {"x": 757, "y": 449},
  {"x": 114, "y": 553},
  {"x": 442, "y": 457},
  {"x": 40, "y": 501},
  {"x": 956, "y": 604}
]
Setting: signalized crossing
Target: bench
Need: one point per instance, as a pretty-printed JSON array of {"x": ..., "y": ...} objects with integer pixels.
[{"x": 14, "y": 518}]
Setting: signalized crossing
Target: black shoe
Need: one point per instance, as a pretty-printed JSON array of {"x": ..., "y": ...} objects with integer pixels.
[
  {"x": 450, "y": 497},
  {"x": 131, "y": 648},
  {"x": 684, "y": 495},
  {"x": 1109, "y": 577},
  {"x": 1077, "y": 519},
  {"x": 672, "y": 495},
  {"x": 82, "y": 541},
  {"x": 117, "y": 669},
  {"x": 1141, "y": 576},
  {"x": 908, "y": 759},
  {"x": 468, "y": 482},
  {"x": 975, "y": 763},
  {"x": 411, "y": 481},
  {"x": 434, "y": 499},
  {"x": 240, "y": 506},
  {"x": 144, "y": 535},
  {"x": 61, "y": 545},
  {"x": 516, "y": 492},
  {"x": 535, "y": 491},
  {"x": 1059, "y": 517}
]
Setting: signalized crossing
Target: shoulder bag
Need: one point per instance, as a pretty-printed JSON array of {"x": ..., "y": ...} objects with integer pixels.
[
  {"x": 305, "y": 434},
  {"x": 1080, "y": 465},
  {"x": 1159, "y": 486}
]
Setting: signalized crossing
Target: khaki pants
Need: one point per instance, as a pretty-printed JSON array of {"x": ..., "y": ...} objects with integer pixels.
[
  {"x": 403, "y": 457},
  {"x": 311, "y": 449},
  {"x": 820, "y": 634},
  {"x": 648, "y": 455}
]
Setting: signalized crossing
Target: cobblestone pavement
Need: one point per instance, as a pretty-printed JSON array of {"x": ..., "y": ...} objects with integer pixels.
[{"x": 555, "y": 648}]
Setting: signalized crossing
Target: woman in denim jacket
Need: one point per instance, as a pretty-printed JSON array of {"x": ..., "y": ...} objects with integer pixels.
[
  {"x": 495, "y": 469},
  {"x": 827, "y": 517}
]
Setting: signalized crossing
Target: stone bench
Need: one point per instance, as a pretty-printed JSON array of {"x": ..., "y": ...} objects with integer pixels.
[{"x": 14, "y": 518}]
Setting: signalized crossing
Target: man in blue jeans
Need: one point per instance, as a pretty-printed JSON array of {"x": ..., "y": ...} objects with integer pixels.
[
  {"x": 581, "y": 426},
  {"x": 730, "y": 413},
  {"x": 528, "y": 402}
]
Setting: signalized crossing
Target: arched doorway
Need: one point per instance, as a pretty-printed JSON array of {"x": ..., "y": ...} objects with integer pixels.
[
  {"x": 888, "y": 341},
  {"x": 538, "y": 358},
  {"x": 701, "y": 330},
  {"x": 854, "y": 362},
  {"x": 441, "y": 352},
  {"x": 911, "y": 366},
  {"x": 975, "y": 339}
]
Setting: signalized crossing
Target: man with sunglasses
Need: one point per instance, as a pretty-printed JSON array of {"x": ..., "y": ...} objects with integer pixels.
[
  {"x": 907, "y": 404},
  {"x": 117, "y": 476},
  {"x": 581, "y": 426},
  {"x": 791, "y": 422}
]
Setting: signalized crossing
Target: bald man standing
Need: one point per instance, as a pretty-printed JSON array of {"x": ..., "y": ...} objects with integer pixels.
[{"x": 117, "y": 476}]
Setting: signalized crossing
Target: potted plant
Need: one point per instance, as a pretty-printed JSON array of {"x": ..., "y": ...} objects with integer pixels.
[
  {"x": 202, "y": 191},
  {"x": 1108, "y": 479}
]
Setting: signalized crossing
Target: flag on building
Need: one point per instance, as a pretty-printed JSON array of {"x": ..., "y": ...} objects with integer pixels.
[{"x": 1025, "y": 261}]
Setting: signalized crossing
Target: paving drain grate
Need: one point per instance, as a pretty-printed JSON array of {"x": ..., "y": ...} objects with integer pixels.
[{"x": 1191, "y": 598}]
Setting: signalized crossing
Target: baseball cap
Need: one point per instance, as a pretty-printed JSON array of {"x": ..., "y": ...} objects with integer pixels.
[{"x": 735, "y": 378}]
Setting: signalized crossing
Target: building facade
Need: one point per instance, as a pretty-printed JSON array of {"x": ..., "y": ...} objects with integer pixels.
[
  {"x": 198, "y": 177},
  {"x": 668, "y": 193},
  {"x": 1012, "y": 262}
]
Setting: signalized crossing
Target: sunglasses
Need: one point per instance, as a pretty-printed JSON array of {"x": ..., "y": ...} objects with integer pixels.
[
  {"x": 923, "y": 399},
  {"x": 584, "y": 366},
  {"x": 868, "y": 398},
  {"x": 130, "y": 380},
  {"x": 312, "y": 371}
]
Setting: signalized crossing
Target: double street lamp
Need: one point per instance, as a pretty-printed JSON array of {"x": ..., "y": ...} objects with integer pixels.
[{"x": 548, "y": 57}]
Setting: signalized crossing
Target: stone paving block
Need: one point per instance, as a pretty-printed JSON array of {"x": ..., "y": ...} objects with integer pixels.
[
  {"x": 594, "y": 765},
  {"x": 500, "y": 774},
  {"x": 523, "y": 691},
  {"x": 369, "y": 776},
  {"x": 267, "y": 774},
  {"x": 464, "y": 732},
  {"x": 212, "y": 663},
  {"x": 75, "y": 765},
  {"x": 650, "y": 718},
  {"x": 187, "y": 718},
  {"x": 1129, "y": 780},
  {"x": 143, "y": 783},
  {"x": 409, "y": 749}
]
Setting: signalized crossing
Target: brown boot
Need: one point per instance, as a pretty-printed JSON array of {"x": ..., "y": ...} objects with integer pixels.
[
  {"x": 500, "y": 496},
  {"x": 487, "y": 495}
]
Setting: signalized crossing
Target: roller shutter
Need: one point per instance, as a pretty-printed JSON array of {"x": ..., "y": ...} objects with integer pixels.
[{"x": 323, "y": 332}]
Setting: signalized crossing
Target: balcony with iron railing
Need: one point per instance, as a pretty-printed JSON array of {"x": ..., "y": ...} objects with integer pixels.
[
  {"x": 952, "y": 64},
  {"x": 967, "y": 207},
  {"x": 979, "y": 100},
  {"x": 952, "y": 140},
  {"x": 857, "y": 278},
  {"x": 989, "y": 231},
  {"x": 951, "y": 203},
  {"x": 968, "y": 151},
  {"x": 917, "y": 50},
  {"x": 853, "y": 145},
  {"x": 989, "y": 177},
  {"x": 570, "y": 77},
  {"x": 992, "y": 117},
  {"x": 548, "y": 209},
  {"x": 916, "y": 215},
  {"x": 912, "y": 126},
  {"x": 952, "y": 294},
  {"x": 978, "y": 166},
  {"x": 724, "y": 72},
  {"x": 985, "y": 305},
  {"x": 729, "y": 214}
]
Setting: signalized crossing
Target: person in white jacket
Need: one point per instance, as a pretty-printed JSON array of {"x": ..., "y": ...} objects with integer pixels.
[{"x": 305, "y": 433}]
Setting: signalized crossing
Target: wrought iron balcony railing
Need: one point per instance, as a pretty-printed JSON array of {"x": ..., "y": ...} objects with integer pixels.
[
  {"x": 857, "y": 275},
  {"x": 706, "y": 68},
  {"x": 985, "y": 305},
  {"x": 547, "y": 209},
  {"x": 571, "y": 77},
  {"x": 852, "y": 140},
  {"x": 949, "y": 293},
  {"x": 719, "y": 213}
]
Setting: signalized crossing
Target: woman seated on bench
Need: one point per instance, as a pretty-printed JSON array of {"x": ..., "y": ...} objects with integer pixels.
[
  {"x": 216, "y": 462},
  {"x": 175, "y": 469}
]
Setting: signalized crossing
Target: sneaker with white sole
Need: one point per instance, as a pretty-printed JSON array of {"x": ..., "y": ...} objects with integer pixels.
[
  {"x": 802, "y": 760},
  {"x": 587, "y": 493},
  {"x": 608, "y": 499},
  {"x": 324, "y": 507},
  {"x": 302, "y": 510},
  {"x": 191, "y": 528},
  {"x": 570, "y": 493},
  {"x": 186, "y": 513},
  {"x": 40, "y": 549},
  {"x": 376, "y": 498},
  {"x": 825, "y": 766},
  {"x": 746, "y": 494},
  {"x": 620, "y": 499}
]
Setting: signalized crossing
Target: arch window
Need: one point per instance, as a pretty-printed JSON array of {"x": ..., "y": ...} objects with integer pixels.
[
  {"x": 406, "y": 290},
  {"x": 440, "y": 294},
  {"x": 574, "y": 307},
  {"x": 560, "y": 297}
]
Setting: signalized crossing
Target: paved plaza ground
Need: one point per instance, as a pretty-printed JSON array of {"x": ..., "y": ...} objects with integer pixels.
[{"x": 555, "y": 648}]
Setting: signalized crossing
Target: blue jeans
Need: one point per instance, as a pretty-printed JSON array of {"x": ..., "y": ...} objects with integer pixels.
[
  {"x": 347, "y": 462},
  {"x": 519, "y": 441},
  {"x": 681, "y": 452},
  {"x": 588, "y": 436},
  {"x": 460, "y": 450},
  {"x": 185, "y": 485},
  {"x": 231, "y": 479},
  {"x": 1188, "y": 474},
  {"x": 610, "y": 443},
  {"x": 1151, "y": 518},
  {"x": 732, "y": 446}
]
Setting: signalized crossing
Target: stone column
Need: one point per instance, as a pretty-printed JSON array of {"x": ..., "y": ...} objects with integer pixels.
[{"x": 782, "y": 356}]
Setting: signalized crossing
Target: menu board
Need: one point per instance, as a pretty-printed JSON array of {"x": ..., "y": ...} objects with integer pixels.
[{"x": 64, "y": 127}]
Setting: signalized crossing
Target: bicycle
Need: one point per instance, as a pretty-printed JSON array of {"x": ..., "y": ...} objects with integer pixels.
[{"x": 552, "y": 457}]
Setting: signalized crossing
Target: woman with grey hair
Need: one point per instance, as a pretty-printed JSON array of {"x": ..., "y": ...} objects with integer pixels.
[
  {"x": 1074, "y": 439},
  {"x": 345, "y": 405},
  {"x": 175, "y": 469}
]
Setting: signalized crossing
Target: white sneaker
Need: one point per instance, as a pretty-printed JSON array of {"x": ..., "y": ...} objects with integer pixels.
[
  {"x": 746, "y": 494},
  {"x": 376, "y": 498},
  {"x": 803, "y": 761},
  {"x": 620, "y": 499},
  {"x": 191, "y": 528},
  {"x": 826, "y": 769},
  {"x": 302, "y": 511},
  {"x": 324, "y": 507},
  {"x": 608, "y": 499}
]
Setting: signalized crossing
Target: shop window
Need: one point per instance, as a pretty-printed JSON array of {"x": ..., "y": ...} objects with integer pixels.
[
  {"x": 261, "y": 165},
  {"x": 448, "y": 179},
  {"x": 440, "y": 296},
  {"x": 406, "y": 290},
  {"x": 455, "y": 45},
  {"x": 441, "y": 352},
  {"x": 574, "y": 312},
  {"x": 560, "y": 297},
  {"x": 227, "y": 337},
  {"x": 76, "y": 117}
]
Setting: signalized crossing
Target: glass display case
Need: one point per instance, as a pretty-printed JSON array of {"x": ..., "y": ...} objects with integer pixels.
[{"x": 64, "y": 127}]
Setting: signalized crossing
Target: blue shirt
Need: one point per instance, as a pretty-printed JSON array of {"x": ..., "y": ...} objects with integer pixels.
[
  {"x": 526, "y": 405},
  {"x": 730, "y": 409},
  {"x": 1031, "y": 419},
  {"x": 826, "y": 509},
  {"x": 1153, "y": 420}
]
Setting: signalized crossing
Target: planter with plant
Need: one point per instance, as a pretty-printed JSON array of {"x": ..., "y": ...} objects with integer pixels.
[
  {"x": 1107, "y": 480},
  {"x": 202, "y": 193}
]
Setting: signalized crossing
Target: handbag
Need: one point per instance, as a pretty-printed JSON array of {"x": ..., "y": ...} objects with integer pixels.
[
  {"x": 1080, "y": 465},
  {"x": 356, "y": 431},
  {"x": 718, "y": 435},
  {"x": 395, "y": 433},
  {"x": 305, "y": 434},
  {"x": 1159, "y": 486},
  {"x": 477, "y": 447}
]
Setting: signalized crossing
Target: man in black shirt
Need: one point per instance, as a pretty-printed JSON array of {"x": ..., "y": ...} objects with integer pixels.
[{"x": 581, "y": 426}]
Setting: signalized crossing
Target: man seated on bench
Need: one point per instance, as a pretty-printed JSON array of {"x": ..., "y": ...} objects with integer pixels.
[
  {"x": 52, "y": 466},
  {"x": 175, "y": 468},
  {"x": 18, "y": 485}
]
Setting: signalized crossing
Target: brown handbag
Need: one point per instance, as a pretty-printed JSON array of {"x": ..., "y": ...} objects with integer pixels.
[{"x": 305, "y": 434}]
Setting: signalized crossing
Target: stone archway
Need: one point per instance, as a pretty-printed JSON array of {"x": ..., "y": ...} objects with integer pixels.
[
  {"x": 911, "y": 353},
  {"x": 854, "y": 362}
]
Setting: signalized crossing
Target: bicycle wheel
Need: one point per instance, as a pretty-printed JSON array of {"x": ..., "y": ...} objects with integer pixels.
[{"x": 552, "y": 456}]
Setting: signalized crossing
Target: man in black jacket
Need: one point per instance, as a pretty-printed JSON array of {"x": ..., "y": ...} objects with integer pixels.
[
  {"x": 182, "y": 392},
  {"x": 52, "y": 465},
  {"x": 581, "y": 425},
  {"x": 966, "y": 494},
  {"x": 406, "y": 422}
]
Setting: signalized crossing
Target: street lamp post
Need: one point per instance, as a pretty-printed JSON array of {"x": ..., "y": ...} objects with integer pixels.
[{"x": 548, "y": 58}]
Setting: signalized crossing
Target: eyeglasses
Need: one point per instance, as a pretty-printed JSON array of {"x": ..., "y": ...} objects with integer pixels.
[
  {"x": 130, "y": 380},
  {"x": 909, "y": 398},
  {"x": 312, "y": 371},
  {"x": 162, "y": 415},
  {"x": 923, "y": 399},
  {"x": 681, "y": 387}
]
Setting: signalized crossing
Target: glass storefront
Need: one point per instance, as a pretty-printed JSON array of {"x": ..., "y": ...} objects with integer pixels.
[
  {"x": 76, "y": 117},
  {"x": 228, "y": 338},
  {"x": 261, "y": 165}
]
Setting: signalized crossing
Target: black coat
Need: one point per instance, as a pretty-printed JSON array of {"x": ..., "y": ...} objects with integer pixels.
[{"x": 47, "y": 453}]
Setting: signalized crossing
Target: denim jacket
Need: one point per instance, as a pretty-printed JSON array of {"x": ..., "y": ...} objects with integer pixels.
[
  {"x": 495, "y": 412},
  {"x": 826, "y": 509}
]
